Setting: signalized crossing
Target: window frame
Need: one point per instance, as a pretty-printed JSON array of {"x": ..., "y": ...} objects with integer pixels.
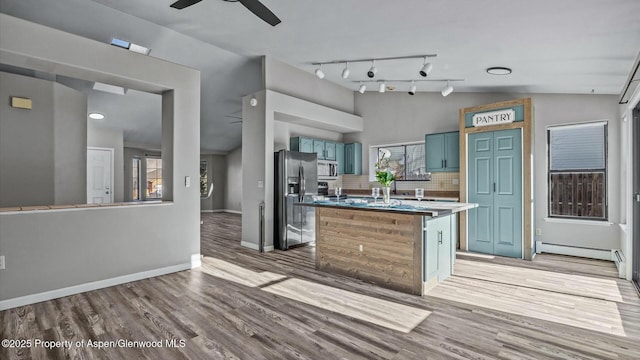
[
  {"x": 605, "y": 171},
  {"x": 207, "y": 180},
  {"x": 136, "y": 173},
  {"x": 374, "y": 151},
  {"x": 146, "y": 178}
]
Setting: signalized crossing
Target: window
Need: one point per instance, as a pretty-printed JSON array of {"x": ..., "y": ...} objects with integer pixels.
[
  {"x": 406, "y": 161},
  {"x": 204, "y": 180},
  {"x": 135, "y": 171},
  {"x": 578, "y": 171},
  {"x": 154, "y": 178}
]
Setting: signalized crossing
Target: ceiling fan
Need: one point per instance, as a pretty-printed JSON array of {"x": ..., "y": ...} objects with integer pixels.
[{"x": 254, "y": 6}]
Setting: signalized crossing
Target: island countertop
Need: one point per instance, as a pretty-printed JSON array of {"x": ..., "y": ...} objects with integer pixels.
[{"x": 423, "y": 208}]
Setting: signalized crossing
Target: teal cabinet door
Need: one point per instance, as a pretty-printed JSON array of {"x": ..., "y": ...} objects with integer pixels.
[
  {"x": 353, "y": 159},
  {"x": 452, "y": 151},
  {"x": 434, "y": 152},
  {"x": 495, "y": 184},
  {"x": 437, "y": 249},
  {"x": 340, "y": 157},
  {"x": 330, "y": 150},
  {"x": 306, "y": 145},
  {"x": 318, "y": 148}
]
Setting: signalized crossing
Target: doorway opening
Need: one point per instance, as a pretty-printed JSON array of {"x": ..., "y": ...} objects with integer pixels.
[{"x": 636, "y": 194}]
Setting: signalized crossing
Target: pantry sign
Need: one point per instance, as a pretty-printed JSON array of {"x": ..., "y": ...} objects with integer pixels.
[{"x": 494, "y": 117}]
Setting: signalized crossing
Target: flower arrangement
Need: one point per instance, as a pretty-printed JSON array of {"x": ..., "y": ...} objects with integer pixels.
[{"x": 383, "y": 175}]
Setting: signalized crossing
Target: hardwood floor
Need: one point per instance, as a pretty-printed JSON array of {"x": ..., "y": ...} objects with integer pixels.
[{"x": 245, "y": 305}]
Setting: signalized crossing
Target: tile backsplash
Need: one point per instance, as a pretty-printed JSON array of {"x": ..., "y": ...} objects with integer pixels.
[{"x": 440, "y": 181}]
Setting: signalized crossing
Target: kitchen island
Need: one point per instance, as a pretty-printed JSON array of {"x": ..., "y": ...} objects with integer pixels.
[{"x": 408, "y": 246}]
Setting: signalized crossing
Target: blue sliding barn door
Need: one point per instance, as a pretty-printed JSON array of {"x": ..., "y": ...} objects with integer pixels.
[{"x": 495, "y": 183}]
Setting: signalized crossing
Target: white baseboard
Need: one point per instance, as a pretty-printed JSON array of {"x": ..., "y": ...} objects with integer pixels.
[
  {"x": 77, "y": 289},
  {"x": 256, "y": 247},
  {"x": 221, "y": 210},
  {"x": 573, "y": 251}
]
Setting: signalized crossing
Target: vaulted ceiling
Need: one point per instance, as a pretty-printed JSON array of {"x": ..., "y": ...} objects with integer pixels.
[{"x": 569, "y": 46}]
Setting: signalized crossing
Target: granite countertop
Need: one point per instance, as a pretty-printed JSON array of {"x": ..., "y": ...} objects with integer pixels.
[{"x": 424, "y": 208}]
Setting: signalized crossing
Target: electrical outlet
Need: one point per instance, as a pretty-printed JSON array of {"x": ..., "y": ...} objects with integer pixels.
[
  {"x": 260, "y": 184},
  {"x": 2, "y": 262},
  {"x": 187, "y": 181},
  {"x": 361, "y": 247},
  {"x": 538, "y": 232},
  {"x": 455, "y": 181}
]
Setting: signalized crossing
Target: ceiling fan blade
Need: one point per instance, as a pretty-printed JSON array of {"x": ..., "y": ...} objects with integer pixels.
[
  {"x": 181, "y": 4},
  {"x": 261, "y": 11}
]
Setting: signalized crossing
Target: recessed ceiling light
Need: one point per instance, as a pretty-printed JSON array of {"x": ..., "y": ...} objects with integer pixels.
[
  {"x": 499, "y": 70},
  {"x": 96, "y": 116}
]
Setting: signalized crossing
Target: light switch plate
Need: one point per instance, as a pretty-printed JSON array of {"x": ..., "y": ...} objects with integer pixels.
[
  {"x": 260, "y": 184},
  {"x": 2, "y": 262},
  {"x": 187, "y": 181}
]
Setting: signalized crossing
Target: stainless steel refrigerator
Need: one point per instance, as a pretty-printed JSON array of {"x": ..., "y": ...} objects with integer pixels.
[{"x": 296, "y": 180}]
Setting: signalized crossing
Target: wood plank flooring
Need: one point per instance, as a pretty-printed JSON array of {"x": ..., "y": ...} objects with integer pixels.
[{"x": 491, "y": 309}]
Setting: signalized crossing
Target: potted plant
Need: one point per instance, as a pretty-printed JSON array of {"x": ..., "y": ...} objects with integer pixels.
[{"x": 384, "y": 177}]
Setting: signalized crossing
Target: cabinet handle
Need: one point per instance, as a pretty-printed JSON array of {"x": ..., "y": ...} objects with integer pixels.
[
  {"x": 445, "y": 163},
  {"x": 442, "y": 163},
  {"x": 494, "y": 187},
  {"x": 439, "y": 237}
]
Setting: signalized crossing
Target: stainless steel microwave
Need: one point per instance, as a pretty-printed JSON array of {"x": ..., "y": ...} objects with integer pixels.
[{"x": 327, "y": 170}]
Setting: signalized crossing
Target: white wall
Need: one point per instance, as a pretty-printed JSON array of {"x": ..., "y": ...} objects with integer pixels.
[
  {"x": 233, "y": 189},
  {"x": 42, "y": 150},
  {"x": 98, "y": 136},
  {"x": 397, "y": 117},
  {"x": 217, "y": 174},
  {"x": 46, "y": 252}
]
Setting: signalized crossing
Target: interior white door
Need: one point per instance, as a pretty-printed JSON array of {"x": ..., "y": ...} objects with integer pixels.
[{"x": 99, "y": 175}]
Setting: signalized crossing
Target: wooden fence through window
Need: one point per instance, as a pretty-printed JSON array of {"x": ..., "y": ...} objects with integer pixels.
[{"x": 579, "y": 195}]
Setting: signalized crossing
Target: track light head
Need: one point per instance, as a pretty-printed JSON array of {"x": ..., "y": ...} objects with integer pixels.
[
  {"x": 362, "y": 88},
  {"x": 381, "y": 88},
  {"x": 346, "y": 72},
  {"x": 447, "y": 90},
  {"x": 319, "y": 73},
  {"x": 426, "y": 69},
  {"x": 373, "y": 70},
  {"x": 413, "y": 88}
]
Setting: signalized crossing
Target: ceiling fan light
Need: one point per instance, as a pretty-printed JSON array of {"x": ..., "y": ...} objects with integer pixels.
[
  {"x": 426, "y": 69},
  {"x": 381, "y": 88},
  {"x": 362, "y": 88}
]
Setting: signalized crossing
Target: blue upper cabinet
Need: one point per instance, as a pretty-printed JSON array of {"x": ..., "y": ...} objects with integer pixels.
[
  {"x": 442, "y": 152},
  {"x": 353, "y": 159},
  {"x": 329, "y": 150},
  {"x": 340, "y": 157},
  {"x": 318, "y": 148},
  {"x": 301, "y": 144}
]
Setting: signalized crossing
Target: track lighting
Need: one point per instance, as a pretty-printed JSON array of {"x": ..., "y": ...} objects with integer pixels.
[
  {"x": 447, "y": 89},
  {"x": 413, "y": 88},
  {"x": 362, "y": 88},
  {"x": 345, "y": 72},
  {"x": 426, "y": 68},
  {"x": 381, "y": 87},
  {"x": 319, "y": 73},
  {"x": 373, "y": 70}
]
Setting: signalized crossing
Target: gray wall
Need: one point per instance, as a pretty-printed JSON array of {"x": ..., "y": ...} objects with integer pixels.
[
  {"x": 217, "y": 173},
  {"x": 397, "y": 117},
  {"x": 56, "y": 249},
  {"x": 107, "y": 138},
  {"x": 43, "y": 150},
  {"x": 233, "y": 190}
]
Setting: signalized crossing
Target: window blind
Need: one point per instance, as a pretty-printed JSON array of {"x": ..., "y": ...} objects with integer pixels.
[{"x": 577, "y": 147}]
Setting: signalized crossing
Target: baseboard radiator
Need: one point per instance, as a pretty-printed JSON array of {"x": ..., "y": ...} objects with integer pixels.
[
  {"x": 614, "y": 255},
  {"x": 618, "y": 258}
]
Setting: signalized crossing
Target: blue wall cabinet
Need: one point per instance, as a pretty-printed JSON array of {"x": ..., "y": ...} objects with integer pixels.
[
  {"x": 318, "y": 148},
  {"x": 495, "y": 184},
  {"x": 329, "y": 150},
  {"x": 353, "y": 159},
  {"x": 301, "y": 144},
  {"x": 340, "y": 157},
  {"x": 442, "y": 152}
]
